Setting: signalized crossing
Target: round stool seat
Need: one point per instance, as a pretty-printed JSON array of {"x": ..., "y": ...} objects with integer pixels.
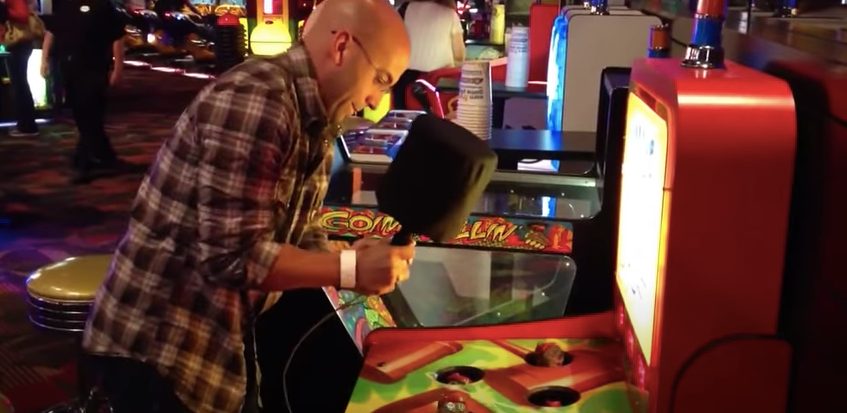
[
  {"x": 60, "y": 294},
  {"x": 73, "y": 279}
]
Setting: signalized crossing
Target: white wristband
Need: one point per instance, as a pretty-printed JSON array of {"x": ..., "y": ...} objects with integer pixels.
[{"x": 348, "y": 269}]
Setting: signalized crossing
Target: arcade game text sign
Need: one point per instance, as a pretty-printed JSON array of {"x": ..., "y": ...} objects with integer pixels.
[{"x": 491, "y": 232}]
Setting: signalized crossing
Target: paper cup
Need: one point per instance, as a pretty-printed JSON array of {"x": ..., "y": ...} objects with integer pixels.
[
  {"x": 517, "y": 59},
  {"x": 474, "y": 105}
]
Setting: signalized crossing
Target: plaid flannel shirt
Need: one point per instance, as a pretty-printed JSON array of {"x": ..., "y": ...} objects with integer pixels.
[{"x": 245, "y": 171}]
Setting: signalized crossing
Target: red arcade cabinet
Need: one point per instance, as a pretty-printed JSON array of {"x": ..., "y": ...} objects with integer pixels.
[{"x": 706, "y": 185}]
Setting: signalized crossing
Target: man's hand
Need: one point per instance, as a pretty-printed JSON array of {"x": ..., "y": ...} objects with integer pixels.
[
  {"x": 337, "y": 245},
  {"x": 363, "y": 243},
  {"x": 45, "y": 68},
  {"x": 115, "y": 76},
  {"x": 380, "y": 266}
]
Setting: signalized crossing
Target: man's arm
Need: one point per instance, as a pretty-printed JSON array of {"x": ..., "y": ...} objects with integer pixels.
[
  {"x": 46, "y": 49},
  {"x": 241, "y": 133},
  {"x": 116, "y": 26},
  {"x": 118, "y": 63},
  {"x": 314, "y": 235}
]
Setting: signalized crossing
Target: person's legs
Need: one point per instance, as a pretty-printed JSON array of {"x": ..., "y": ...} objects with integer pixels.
[
  {"x": 86, "y": 89},
  {"x": 131, "y": 386},
  {"x": 24, "y": 106},
  {"x": 57, "y": 86},
  {"x": 98, "y": 84}
]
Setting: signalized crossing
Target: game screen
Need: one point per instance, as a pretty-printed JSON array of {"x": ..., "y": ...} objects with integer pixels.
[
  {"x": 373, "y": 145},
  {"x": 643, "y": 197}
]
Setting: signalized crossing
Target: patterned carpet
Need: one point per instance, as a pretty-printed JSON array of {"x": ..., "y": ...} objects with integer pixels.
[{"x": 44, "y": 218}]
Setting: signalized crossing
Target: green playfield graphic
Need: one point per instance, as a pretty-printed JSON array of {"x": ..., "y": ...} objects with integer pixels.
[{"x": 405, "y": 377}]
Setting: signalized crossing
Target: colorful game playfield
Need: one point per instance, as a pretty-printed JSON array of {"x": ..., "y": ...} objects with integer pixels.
[{"x": 503, "y": 376}]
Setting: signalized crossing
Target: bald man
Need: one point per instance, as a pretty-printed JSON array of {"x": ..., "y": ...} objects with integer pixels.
[{"x": 228, "y": 213}]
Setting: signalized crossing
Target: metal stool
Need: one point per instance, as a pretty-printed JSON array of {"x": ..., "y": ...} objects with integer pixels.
[
  {"x": 61, "y": 294},
  {"x": 60, "y": 298}
]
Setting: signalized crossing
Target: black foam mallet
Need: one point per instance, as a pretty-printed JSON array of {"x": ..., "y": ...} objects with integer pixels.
[{"x": 435, "y": 180}]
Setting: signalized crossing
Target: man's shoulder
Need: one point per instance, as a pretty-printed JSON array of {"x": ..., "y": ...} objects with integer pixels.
[
  {"x": 258, "y": 73},
  {"x": 254, "y": 89}
]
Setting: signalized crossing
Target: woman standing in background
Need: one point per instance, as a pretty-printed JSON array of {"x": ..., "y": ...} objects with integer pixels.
[
  {"x": 19, "y": 53},
  {"x": 437, "y": 41}
]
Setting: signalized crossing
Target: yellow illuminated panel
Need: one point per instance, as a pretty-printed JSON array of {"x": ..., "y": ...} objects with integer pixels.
[
  {"x": 270, "y": 37},
  {"x": 642, "y": 200},
  {"x": 37, "y": 83}
]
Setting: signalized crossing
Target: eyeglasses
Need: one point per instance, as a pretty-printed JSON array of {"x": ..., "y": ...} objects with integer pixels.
[{"x": 383, "y": 79}]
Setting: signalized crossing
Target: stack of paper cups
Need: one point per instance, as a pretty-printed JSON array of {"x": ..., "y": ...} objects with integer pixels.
[
  {"x": 517, "y": 62},
  {"x": 475, "y": 108},
  {"x": 498, "y": 24}
]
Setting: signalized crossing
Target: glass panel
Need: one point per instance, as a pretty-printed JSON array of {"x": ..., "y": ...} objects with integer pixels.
[
  {"x": 452, "y": 286},
  {"x": 514, "y": 199}
]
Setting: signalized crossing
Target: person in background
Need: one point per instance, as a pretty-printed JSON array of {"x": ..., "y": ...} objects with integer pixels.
[
  {"x": 437, "y": 41},
  {"x": 86, "y": 38},
  {"x": 18, "y": 11}
]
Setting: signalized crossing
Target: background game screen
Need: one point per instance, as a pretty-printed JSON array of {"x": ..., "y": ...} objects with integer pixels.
[{"x": 643, "y": 197}]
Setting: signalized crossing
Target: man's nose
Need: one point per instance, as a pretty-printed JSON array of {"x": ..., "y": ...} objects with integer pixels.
[{"x": 372, "y": 101}]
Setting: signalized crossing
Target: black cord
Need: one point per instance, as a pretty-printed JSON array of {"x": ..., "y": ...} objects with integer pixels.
[
  {"x": 708, "y": 347},
  {"x": 327, "y": 317}
]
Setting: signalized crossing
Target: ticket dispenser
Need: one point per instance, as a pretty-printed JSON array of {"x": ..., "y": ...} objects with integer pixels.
[
  {"x": 272, "y": 34},
  {"x": 583, "y": 43},
  {"x": 706, "y": 184}
]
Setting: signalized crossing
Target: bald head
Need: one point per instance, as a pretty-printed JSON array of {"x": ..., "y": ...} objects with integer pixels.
[{"x": 359, "y": 48}]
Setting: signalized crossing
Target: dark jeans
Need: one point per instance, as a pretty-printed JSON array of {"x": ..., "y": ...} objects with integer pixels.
[
  {"x": 24, "y": 106},
  {"x": 398, "y": 92},
  {"x": 86, "y": 88},
  {"x": 131, "y": 386}
]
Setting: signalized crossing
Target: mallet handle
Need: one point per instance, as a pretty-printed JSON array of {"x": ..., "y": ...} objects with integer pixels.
[{"x": 402, "y": 238}]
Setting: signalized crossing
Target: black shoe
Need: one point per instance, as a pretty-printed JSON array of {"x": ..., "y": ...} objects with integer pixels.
[
  {"x": 96, "y": 170},
  {"x": 117, "y": 165},
  {"x": 82, "y": 177},
  {"x": 18, "y": 133}
]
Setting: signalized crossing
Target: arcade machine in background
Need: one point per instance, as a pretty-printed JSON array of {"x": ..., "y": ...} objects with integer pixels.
[
  {"x": 537, "y": 246},
  {"x": 583, "y": 42},
  {"x": 705, "y": 193},
  {"x": 176, "y": 41},
  {"x": 559, "y": 214},
  {"x": 782, "y": 17},
  {"x": 814, "y": 317},
  {"x": 276, "y": 25}
]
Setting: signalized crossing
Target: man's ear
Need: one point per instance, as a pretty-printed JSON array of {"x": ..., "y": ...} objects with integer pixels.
[{"x": 340, "y": 44}]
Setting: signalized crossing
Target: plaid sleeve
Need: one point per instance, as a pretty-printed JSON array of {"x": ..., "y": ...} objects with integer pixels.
[
  {"x": 314, "y": 234},
  {"x": 240, "y": 131}
]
